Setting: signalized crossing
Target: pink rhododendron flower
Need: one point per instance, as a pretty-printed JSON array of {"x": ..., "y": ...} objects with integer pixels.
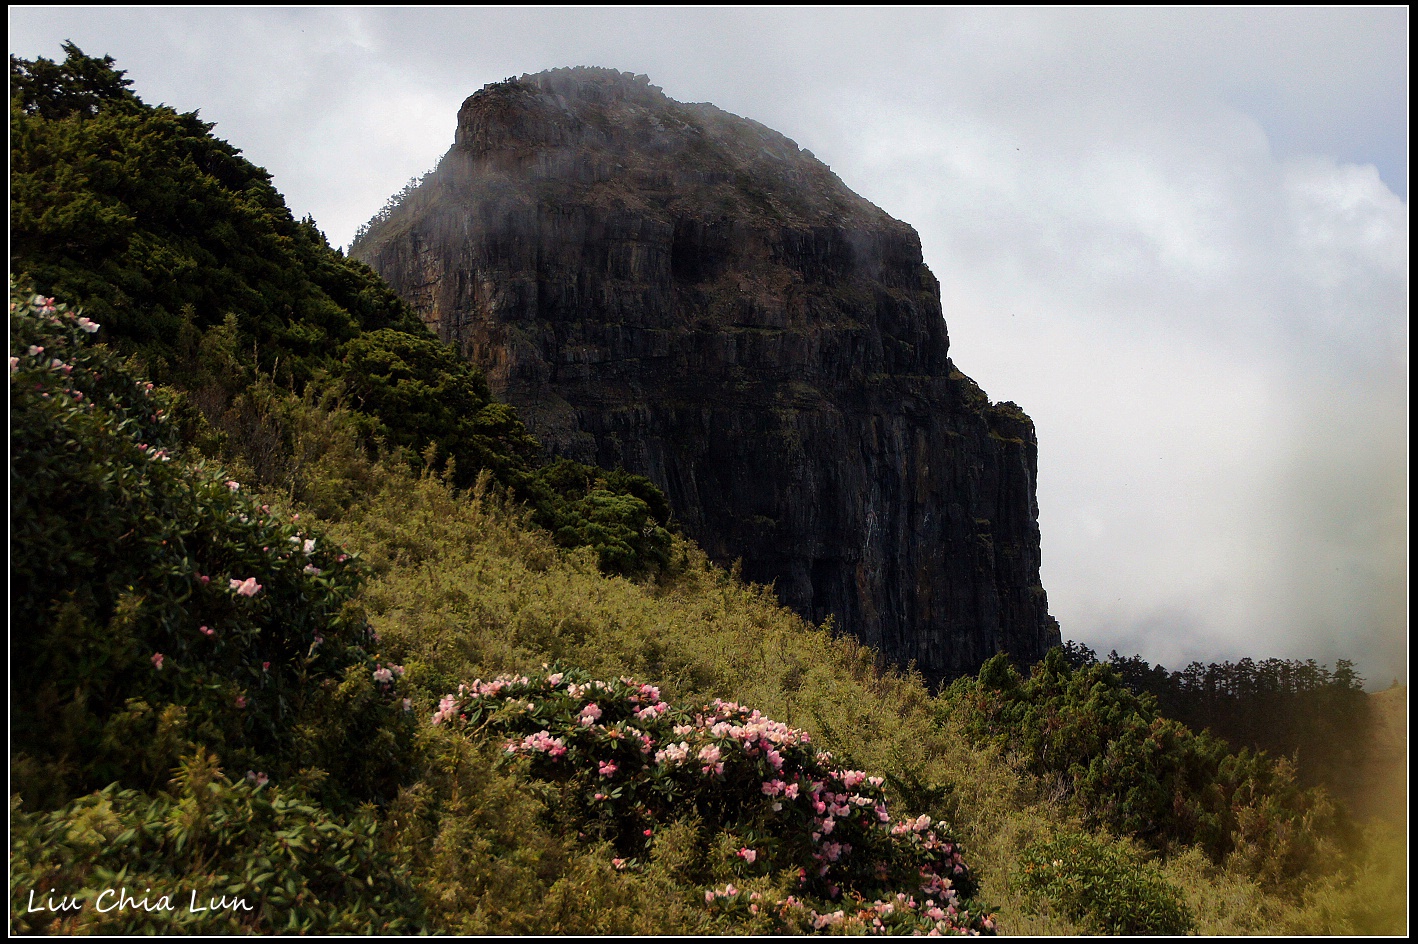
[
  {"x": 589, "y": 714},
  {"x": 36, "y": 350},
  {"x": 608, "y": 768},
  {"x": 246, "y": 588},
  {"x": 312, "y": 570},
  {"x": 383, "y": 676},
  {"x": 447, "y": 708},
  {"x": 241, "y": 701},
  {"x": 207, "y": 630},
  {"x": 748, "y": 855},
  {"x": 157, "y": 660},
  {"x": 89, "y": 326},
  {"x": 233, "y": 484}
]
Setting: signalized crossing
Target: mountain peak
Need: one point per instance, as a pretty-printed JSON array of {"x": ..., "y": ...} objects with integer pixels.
[{"x": 687, "y": 294}]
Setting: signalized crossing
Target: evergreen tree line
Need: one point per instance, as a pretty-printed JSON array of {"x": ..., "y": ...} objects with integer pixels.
[{"x": 1285, "y": 707}]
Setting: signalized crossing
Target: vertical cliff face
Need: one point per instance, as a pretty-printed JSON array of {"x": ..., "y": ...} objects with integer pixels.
[{"x": 687, "y": 294}]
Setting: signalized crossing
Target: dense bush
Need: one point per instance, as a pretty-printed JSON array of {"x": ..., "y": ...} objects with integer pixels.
[
  {"x": 139, "y": 214},
  {"x": 625, "y": 764},
  {"x": 156, "y": 606},
  {"x": 1102, "y": 887},
  {"x": 231, "y": 857}
]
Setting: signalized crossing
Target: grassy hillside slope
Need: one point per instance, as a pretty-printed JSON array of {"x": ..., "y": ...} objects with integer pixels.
[{"x": 368, "y": 695}]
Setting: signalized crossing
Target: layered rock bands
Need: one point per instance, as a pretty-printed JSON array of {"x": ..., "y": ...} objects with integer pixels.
[{"x": 685, "y": 293}]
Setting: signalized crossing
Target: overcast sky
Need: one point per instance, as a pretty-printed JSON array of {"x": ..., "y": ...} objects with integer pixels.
[{"x": 1177, "y": 238}]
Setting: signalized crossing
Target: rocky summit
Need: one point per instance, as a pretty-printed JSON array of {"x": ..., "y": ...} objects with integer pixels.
[{"x": 687, "y": 294}]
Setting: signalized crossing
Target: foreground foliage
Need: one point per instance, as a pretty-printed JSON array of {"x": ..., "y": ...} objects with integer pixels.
[
  {"x": 242, "y": 857},
  {"x": 158, "y": 606},
  {"x": 1103, "y": 887}
]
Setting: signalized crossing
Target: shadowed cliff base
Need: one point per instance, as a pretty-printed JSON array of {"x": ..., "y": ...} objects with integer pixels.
[{"x": 687, "y": 294}]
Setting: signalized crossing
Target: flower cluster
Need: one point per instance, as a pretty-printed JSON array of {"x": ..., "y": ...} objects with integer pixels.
[{"x": 630, "y": 762}]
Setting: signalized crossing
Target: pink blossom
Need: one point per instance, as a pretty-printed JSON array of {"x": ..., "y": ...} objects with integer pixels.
[
  {"x": 312, "y": 570},
  {"x": 157, "y": 660},
  {"x": 233, "y": 484},
  {"x": 649, "y": 833},
  {"x": 265, "y": 666},
  {"x": 447, "y": 708},
  {"x": 383, "y": 676},
  {"x": 748, "y": 855},
  {"x": 241, "y": 701},
  {"x": 608, "y": 768},
  {"x": 89, "y": 326},
  {"x": 36, "y": 350},
  {"x": 207, "y": 630},
  {"x": 589, "y": 714},
  {"x": 246, "y": 588},
  {"x": 408, "y": 704}
]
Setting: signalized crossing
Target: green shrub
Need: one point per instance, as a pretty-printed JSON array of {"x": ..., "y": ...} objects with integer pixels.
[
  {"x": 211, "y": 843},
  {"x": 158, "y": 606},
  {"x": 1098, "y": 884},
  {"x": 622, "y": 765}
]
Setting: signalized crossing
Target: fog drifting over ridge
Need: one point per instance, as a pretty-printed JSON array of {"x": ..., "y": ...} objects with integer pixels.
[{"x": 1177, "y": 238}]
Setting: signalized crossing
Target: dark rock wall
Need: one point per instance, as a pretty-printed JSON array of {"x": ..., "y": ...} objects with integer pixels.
[{"x": 685, "y": 293}]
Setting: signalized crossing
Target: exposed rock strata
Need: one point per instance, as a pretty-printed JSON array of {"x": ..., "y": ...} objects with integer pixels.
[{"x": 685, "y": 293}]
